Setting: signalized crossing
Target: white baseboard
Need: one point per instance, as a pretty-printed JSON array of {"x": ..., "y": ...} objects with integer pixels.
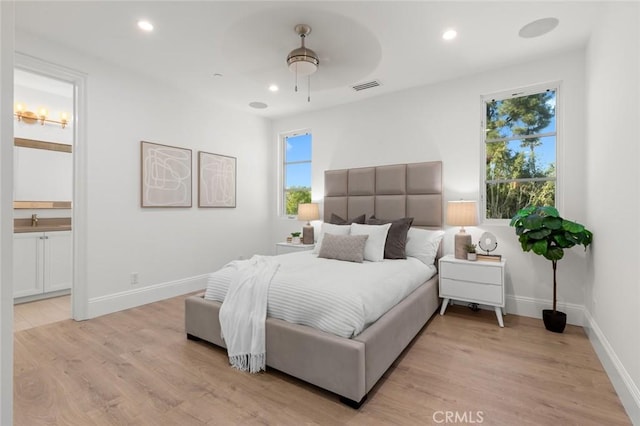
[
  {"x": 627, "y": 390},
  {"x": 141, "y": 296},
  {"x": 530, "y": 307}
]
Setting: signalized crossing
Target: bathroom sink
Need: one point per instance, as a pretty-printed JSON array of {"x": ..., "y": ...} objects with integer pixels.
[
  {"x": 41, "y": 228},
  {"x": 42, "y": 224}
]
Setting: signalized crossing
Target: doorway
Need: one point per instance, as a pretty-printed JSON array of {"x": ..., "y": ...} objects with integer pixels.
[
  {"x": 49, "y": 201},
  {"x": 43, "y": 198}
]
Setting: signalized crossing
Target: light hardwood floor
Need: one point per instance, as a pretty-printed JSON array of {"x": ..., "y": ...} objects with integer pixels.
[
  {"x": 41, "y": 312},
  {"x": 136, "y": 367}
]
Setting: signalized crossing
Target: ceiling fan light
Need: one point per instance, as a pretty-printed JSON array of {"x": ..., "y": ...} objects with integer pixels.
[{"x": 303, "y": 66}]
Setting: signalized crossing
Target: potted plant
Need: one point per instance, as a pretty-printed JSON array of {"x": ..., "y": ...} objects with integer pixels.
[
  {"x": 296, "y": 237},
  {"x": 541, "y": 229},
  {"x": 471, "y": 251}
]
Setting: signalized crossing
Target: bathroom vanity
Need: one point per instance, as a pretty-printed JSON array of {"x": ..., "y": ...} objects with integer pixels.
[{"x": 42, "y": 258}]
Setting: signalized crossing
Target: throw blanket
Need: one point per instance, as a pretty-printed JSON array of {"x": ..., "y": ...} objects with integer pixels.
[{"x": 244, "y": 311}]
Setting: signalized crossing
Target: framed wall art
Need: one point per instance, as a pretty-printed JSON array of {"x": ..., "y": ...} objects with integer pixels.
[
  {"x": 216, "y": 180},
  {"x": 165, "y": 176}
]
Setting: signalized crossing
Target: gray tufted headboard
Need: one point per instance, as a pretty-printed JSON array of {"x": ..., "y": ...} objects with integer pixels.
[{"x": 388, "y": 192}]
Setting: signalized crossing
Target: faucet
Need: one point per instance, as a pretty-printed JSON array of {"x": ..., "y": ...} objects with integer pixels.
[{"x": 34, "y": 219}]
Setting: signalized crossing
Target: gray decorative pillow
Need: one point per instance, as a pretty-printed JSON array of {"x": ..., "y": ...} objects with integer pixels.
[
  {"x": 343, "y": 247},
  {"x": 337, "y": 220},
  {"x": 395, "y": 246}
]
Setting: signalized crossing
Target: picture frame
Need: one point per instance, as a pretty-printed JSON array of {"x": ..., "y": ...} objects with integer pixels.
[
  {"x": 165, "y": 175},
  {"x": 216, "y": 180}
]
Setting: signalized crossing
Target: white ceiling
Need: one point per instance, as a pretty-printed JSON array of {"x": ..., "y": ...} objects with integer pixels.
[{"x": 397, "y": 43}]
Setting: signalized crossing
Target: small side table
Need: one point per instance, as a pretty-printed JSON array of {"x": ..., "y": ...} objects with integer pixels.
[
  {"x": 282, "y": 248},
  {"x": 478, "y": 281}
]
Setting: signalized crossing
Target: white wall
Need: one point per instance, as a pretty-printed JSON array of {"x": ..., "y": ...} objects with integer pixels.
[
  {"x": 442, "y": 122},
  {"x": 613, "y": 198},
  {"x": 171, "y": 248}
]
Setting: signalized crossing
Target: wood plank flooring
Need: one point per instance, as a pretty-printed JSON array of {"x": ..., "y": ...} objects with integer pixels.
[
  {"x": 41, "y": 312},
  {"x": 137, "y": 368}
]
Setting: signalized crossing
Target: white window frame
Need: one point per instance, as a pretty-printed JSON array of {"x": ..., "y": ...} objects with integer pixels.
[
  {"x": 282, "y": 169},
  {"x": 507, "y": 94}
]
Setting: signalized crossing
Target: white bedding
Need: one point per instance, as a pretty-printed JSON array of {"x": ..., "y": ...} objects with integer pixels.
[{"x": 338, "y": 297}]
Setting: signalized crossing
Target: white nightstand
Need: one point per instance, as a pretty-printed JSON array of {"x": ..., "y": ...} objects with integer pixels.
[
  {"x": 479, "y": 282},
  {"x": 282, "y": 248}
]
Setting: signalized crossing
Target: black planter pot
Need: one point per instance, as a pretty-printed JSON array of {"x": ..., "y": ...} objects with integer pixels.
[{"x": 554, "y": 321}]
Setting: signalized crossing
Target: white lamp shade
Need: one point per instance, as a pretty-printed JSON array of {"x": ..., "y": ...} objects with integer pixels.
[
  {"x": 308, "y": 211},
  {"x": 462, "y": 213}
]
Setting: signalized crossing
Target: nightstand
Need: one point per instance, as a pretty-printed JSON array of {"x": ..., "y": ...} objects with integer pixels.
[
  {"x": 282, "y": 248},
  {"x": 478, "y": 281}
]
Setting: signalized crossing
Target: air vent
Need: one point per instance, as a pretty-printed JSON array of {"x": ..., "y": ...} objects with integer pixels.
[{"x": 367, "y": 85}]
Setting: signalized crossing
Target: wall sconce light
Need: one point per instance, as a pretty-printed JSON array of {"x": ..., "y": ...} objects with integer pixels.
[{"x": 42, "y": 116}]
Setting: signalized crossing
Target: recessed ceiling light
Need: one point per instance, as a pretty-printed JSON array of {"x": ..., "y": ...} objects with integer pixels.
[
  {"x": 538, "y": 27},
  {"x": 274, "y": 88},
  {"x": 145, "y": 25},
  {"x": 258, "y": 105},
  {"x": 449, "y": 34}
]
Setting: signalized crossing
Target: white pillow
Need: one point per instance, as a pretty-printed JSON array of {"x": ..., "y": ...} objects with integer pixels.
[
  {"x": 330, "y": 228},
  {"x": 423, "y": 244},
  {"x": 374, "y": 247}
]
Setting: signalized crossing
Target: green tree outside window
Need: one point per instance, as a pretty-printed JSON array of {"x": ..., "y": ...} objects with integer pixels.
[
  {"x": 520, "y": 146},
  {"x": 295, "y": 196},
  {"x": 296, "y": 171}
]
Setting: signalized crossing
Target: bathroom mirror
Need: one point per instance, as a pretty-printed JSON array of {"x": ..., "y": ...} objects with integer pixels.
[{"x": 43, "y": 174}]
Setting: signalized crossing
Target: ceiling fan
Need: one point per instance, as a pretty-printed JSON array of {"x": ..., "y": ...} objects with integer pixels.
[{"x": 302, "y": 60}]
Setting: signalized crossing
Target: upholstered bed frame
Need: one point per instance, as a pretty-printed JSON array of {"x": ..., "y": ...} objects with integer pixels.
[{"x": 351, "y": 367}]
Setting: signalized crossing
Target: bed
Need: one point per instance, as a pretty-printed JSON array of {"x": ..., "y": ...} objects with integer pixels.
[{"x": 350, "y": 367}]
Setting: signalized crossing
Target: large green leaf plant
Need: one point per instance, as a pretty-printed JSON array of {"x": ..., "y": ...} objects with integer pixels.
[{"x": 541, "y": 229}]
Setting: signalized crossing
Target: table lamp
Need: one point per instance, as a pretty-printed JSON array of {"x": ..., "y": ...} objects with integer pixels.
[
  {"x": 308, "y": 212},
  {"x": 462, "y": 213}
]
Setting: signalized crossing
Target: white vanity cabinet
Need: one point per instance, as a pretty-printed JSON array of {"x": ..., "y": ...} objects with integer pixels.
[{"x": 42, "y": 262}]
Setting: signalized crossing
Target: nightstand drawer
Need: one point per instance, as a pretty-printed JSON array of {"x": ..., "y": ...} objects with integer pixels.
[
  {"x": 471, "y": 291},
  {"x": 472, "y": 272}
]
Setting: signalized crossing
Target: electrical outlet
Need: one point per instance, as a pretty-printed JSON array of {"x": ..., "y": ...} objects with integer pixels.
[{"x": 134, "y": 278}]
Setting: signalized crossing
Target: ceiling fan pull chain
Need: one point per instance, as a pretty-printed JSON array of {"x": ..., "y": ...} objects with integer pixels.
[
  {"x": 309, "y": 88},
  {"x": 296, "y": 79}
]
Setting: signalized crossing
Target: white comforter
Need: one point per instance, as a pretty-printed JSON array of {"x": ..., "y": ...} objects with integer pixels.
[{"x": 338, "y": 297}]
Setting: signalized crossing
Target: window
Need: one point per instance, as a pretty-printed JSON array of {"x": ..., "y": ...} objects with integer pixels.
[
  {"x": 296, "y": 171},
  {"x": 520, "y": 144}
]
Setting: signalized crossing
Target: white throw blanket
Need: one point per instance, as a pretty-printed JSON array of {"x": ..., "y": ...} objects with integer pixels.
[{"x": 244, "y": 311}]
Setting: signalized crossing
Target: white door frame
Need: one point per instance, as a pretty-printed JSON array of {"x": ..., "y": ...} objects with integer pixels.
[{"x": 79, "y": 293}]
